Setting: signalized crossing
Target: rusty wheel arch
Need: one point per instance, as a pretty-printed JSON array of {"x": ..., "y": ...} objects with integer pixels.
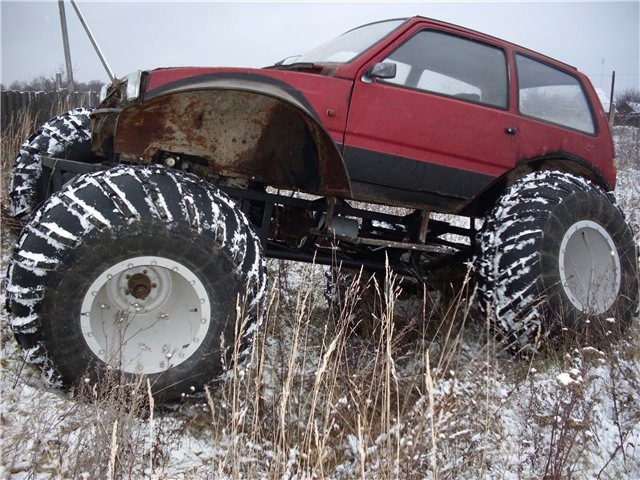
[{"x": 241, "y": 128}]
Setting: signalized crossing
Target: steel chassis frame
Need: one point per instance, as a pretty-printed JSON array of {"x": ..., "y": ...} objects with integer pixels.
[{"x": 349, "y": 252}]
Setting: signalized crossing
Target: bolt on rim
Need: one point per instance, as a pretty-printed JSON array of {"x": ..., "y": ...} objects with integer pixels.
[
  {"x": 590, "y": 267},
  {"x": 145, "y": 315}
]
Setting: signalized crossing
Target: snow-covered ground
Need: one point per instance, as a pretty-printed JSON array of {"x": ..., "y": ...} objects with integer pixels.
[{"x": 427, "y": 396}]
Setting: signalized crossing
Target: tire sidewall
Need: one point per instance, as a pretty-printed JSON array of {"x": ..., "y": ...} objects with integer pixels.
[{"x": 66, "y": 287}]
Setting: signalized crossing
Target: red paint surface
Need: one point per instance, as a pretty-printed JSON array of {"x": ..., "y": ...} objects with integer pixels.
[{"x": 428, "y": 127}]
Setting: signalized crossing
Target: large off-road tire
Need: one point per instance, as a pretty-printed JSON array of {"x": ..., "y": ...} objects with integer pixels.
[
  {"x": 556, "y": 260},
  {"x": 65, "y": 136},
  {"x": 138, "y": 269}
]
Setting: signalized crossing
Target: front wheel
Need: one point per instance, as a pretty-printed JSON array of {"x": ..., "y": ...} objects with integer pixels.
[
  {"x": 138, "y": 270},
  {"x": 556, "y": 259},
  {"x": 65, "y": 136}
]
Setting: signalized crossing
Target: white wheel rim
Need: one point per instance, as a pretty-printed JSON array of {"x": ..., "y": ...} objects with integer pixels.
[
  {"x": 145, "y": 315},
  {"x": 590, "y": 267}
]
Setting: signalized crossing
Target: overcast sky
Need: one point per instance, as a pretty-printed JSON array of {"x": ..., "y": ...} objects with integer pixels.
[{"x": 596, "y": 37}]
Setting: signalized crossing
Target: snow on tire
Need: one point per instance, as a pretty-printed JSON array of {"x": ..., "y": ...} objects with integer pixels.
[
  {"x": 65, "y": 136},
  {"x": 556, "y": 258},
  {"x": 138, "y": 269}
]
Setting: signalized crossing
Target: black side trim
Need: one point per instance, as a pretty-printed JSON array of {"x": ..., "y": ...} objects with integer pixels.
[{"x": 412, "y": 177}]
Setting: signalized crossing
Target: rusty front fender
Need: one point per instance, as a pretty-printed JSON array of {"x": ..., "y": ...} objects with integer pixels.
[{"x": 249, "y": 130}]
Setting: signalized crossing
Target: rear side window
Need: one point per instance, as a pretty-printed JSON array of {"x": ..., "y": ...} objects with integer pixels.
[
  {"x": 449, "y": 65},
  {"x": 549, "y": 94}
]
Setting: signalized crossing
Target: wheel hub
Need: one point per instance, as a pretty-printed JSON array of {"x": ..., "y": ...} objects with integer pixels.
[
  {"x": 145, "y": 314},
  {"x": 139, "y": 285},
  {"x": 590, "y": 267}
]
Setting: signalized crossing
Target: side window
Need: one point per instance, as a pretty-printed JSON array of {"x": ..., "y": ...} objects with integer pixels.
[
  {"x": 449, "y": 65},
  {"x": 549, "y": 94}
]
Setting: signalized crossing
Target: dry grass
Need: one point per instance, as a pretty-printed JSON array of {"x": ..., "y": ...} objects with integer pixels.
[{"x": 316, "y": 400}]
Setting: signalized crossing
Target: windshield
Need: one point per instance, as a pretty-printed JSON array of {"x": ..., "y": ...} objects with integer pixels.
[{"x": 349, "y": 45}]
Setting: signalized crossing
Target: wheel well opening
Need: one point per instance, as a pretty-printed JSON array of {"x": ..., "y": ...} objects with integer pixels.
[
  {"x": 239, "y": 134},
  {"x": 485, "y": 201}
]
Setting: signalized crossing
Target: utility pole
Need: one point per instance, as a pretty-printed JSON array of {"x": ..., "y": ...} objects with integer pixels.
[
  {"x": 612, "y": 105},
  {"x": 93, "y": 40},
  {"x": 65, "y": 43}
]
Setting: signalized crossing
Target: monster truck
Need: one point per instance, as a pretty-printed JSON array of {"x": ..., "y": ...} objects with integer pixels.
[{"x": 160, "y": 205}]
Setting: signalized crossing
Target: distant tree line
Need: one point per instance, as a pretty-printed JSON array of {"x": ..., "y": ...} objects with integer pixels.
[
  {"x": 628, "y": 103},
  {"x": 44, "y": 83}
]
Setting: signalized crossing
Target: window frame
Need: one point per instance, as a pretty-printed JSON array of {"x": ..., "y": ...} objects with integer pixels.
[
  {"x": 594, "y": 120},
  {"x": 457, "y": 35}
]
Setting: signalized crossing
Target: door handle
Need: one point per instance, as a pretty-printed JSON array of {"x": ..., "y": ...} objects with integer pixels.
[{"x": 510, "y": 131}]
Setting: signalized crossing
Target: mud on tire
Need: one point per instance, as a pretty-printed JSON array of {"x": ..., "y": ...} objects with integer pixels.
[
  {"x": 556, "y": 259},
  {"x": 138, "y": 269},
  {"x": 65, "y": 136}
]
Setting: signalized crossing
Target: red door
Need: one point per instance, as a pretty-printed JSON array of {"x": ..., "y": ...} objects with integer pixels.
[{"x": 439, "y": 131}]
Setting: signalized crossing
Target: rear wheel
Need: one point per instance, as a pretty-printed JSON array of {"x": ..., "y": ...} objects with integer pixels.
[
  {"x": 138, "y": 270},
  {"x": 556, "y": 259}
]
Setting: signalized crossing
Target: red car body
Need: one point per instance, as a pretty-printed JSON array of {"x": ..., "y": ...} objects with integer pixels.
[{"x": 374, "y": 141}]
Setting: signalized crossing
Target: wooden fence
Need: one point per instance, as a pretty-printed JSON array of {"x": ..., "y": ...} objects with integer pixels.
[{"x": 41, "y": 106}]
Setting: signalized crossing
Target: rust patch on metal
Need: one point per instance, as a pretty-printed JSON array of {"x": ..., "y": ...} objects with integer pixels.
[
  {"x": 239, "y": 134},
  {"x": 140, "y": 286}
]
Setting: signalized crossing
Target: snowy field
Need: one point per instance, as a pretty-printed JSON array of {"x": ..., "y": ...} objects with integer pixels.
[{"x": 423, "y": 393}]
